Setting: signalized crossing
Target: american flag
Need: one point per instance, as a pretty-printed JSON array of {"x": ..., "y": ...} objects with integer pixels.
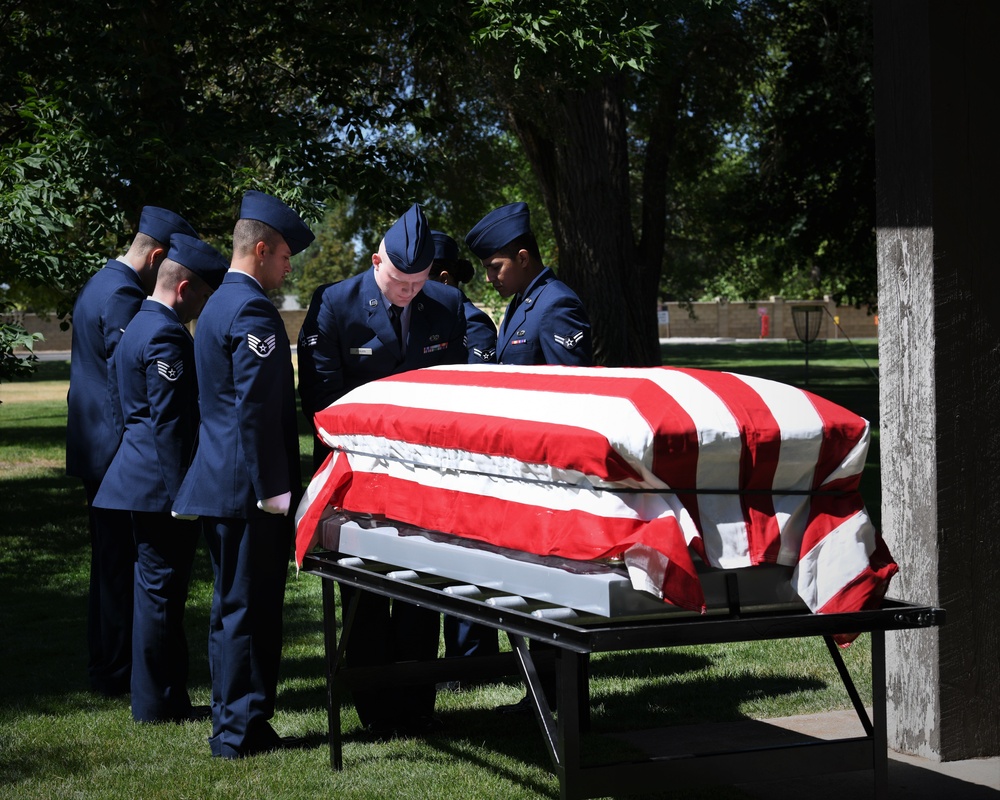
[{"x": 651, "y": 465}]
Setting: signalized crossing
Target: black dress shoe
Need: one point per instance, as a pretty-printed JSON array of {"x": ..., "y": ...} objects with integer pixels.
[
  {"x": 196, "y": 714},
  {"x": 381, "y": 731},
  {"x": 193, "y": 714},
  {"x": 386, "y": 730},
  {"x": 522, "y": 706},
  {"x": 111, "y": 689},
  {"x": 292, "y": 743},
  {"x": 421, "y": 725},
  {"x": 280, "y": 743}
]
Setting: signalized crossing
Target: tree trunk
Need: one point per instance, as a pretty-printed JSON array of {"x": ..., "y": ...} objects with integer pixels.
[
  {"x": 580, "y": 155},
  {"x": 655, "y": 168}
]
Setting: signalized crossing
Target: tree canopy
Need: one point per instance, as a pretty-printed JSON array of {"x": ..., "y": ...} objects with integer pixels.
[
  {"x": 789, "y": 208},
  {"x": 666, "y": 147}
]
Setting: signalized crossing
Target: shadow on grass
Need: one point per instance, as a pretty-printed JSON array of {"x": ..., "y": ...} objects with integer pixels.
[
  {"x": 43, "y": 760},
  {"x": 37, "y": 436},
  {"x": 47, "y": 371},
  {"x": 630, "y": 691},
  {"x": 44, "y": 518},
  {"x": 518, "y": 738},
  {"x": 45, "y": 560}
]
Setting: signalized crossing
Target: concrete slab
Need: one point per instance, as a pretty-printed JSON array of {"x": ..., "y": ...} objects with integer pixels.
[{"x": 910, "y": 777}]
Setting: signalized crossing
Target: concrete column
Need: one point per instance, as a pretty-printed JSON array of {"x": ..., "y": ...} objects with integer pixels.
[
  {"x": 722, "y": 315},
  {"x": 829, "y": 325},
  {"x": 936, "y": 75},
  {"x": 778, "y": 318}
]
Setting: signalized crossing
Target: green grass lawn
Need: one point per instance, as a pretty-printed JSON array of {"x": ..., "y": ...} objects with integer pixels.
[{"x": 59, "y": 741}]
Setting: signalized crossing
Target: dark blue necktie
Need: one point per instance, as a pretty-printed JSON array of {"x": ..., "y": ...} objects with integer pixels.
[
  {"x": 395, "y": 312},
  {"x": 510, "y": 311}
]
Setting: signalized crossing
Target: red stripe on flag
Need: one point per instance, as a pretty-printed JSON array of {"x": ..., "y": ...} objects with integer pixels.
[
  {"x": 842, "y": 430},
  {"x": 532, "y": 529},
  {"x": 551, "y": 378},
  {"x": 675, "y": 447},
  {"x": 328, "y": 495},
  {"x": 826, "y": 513}
]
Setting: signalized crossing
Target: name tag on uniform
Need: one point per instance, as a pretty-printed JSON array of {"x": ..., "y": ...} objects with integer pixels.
[
  {"x": 435, "y": 347},
  {"x": 361, "y": 351}
]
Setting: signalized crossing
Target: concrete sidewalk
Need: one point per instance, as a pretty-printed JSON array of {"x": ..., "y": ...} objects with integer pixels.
[{"x": 910, "y": 777}]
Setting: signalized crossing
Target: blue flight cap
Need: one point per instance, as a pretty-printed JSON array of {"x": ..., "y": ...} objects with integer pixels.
[
  {"x": 200, "y": 257},
  {"x": 445, "y": 248},
  {"x": 408, "y": 242},
  {"x": 160, "y": 224},
  {"x": 498, "y": 229},
  {"x": 446, "y": 255},
  {"x": 271, "y": 211}
]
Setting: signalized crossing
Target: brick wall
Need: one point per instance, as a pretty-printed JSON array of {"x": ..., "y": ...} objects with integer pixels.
[
  {"x": 747, "y": 320},
  {"x": 710, "y": 320}
]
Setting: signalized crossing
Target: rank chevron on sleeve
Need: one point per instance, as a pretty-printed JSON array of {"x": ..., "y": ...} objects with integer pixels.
[
  {"x": 170, "y": 372},
  {"x": 261, "y": 347},
  {"x": 569, "y": 342}
]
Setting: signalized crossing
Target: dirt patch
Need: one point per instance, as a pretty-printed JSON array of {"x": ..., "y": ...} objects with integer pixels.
[
  {"x": 33, "y": 392},
  {"x": 38, "y": 467}
]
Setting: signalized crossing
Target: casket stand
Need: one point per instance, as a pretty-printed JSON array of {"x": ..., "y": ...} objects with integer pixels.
[
  {"x": 724, "y": 494},
  {"x": 736, "y": 612}
]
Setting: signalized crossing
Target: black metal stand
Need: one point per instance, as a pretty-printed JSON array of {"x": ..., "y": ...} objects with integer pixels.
[
  {"x": 807, "y": 319},
  {"x": 573, "y": 643}
]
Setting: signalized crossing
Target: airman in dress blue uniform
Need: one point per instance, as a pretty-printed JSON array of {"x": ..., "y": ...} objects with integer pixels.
[
  {"x": 349, "y": 338},
  {"x": 306, "y": 345},
  {"x": 158, "y": 395},
  {"x": 245, "y": 472},
  {"x": 387, "y": 320},
  {"x": 461, "y": 637},
  {"x": 449, "y": 269},
  {"x": 102, "y": 311},
  {"x": 545, "y": 322}
]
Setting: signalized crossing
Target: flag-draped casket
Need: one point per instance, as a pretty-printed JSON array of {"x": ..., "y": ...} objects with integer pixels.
[{"x": 655, "y": 466}]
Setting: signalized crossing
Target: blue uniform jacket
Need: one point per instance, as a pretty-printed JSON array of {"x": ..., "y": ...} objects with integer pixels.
[
  {"x": 306, "y": 345},
  {"x": 354, "y": 342},
  {"x": 102, "y": 311},
  {"x": 158, "y": 397},
  {"x": 481, "y": 334},
  {"x": 549, "y": 326},
  {"x": 248, "y": 444}
]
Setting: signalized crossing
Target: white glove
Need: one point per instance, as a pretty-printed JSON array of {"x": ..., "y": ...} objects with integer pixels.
[
  {"x": 276, "y": 505},
  {"x": 175, "y": 515}
]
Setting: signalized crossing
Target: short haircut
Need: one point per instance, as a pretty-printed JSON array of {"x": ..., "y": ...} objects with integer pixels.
[
  {"x": 171, "y": 273},
  {"x": 143, "y": 243},
  {"x": 526, "y": 241},
  {"x": 248, "y": 232}
]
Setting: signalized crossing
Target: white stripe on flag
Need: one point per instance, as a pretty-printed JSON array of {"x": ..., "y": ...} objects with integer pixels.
[
  {"x": 841, "y": 556},
  {"x": 453, "y": 460},
  {"x": 642, "y": 507},
  {"x": 615, "y": 418}
]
